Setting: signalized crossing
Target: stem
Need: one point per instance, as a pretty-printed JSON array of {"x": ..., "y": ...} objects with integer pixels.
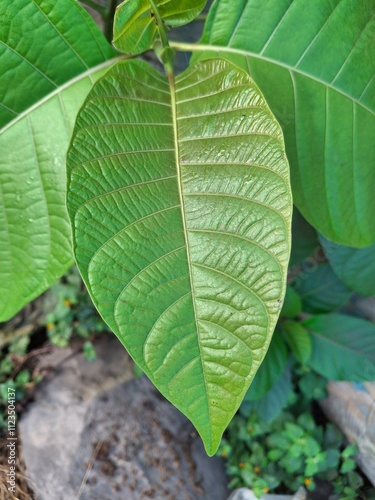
[
  {"x": 201, "y": 18},
  {"x": 159, "y": 21},
  {"x": 108, "y": 30},
  {"x": 167, "y": 52}
]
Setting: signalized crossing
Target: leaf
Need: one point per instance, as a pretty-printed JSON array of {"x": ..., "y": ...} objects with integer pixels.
[
  {"x": 298, "y": 340},
  {"x": 135, "y": 25},
  {"x": 271, "y": 404},
  {"x": 320, "y": 289},
  {"x": 354, "y": 266},
  {"x": 292, "y": 304},
  {"x": 271, "y": 369},
  {"x": 343, "y": 347},
  {"x": 305, "y": 243},
  {"x": 179, "y": 199},
  {"x": 315, "y": 64},
  {"x": 34, "y": 226},
  {"x": 44, "y": 44}
]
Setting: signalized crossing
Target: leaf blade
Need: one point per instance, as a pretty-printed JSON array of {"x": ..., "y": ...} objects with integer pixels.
[
  {"x": 40, "y": 50},
  {"x": 283, "y": 43},
  {"x": 338, "y": 354},
  {"x": 171, "y": 210},
  {"x": 35, "y": 232}
]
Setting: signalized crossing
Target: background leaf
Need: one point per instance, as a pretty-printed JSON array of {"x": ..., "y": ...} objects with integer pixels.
[
  {"x": 354, "y": 266},
  {"x": 343, "y": 347},
  {"x": 298, "y": 340},
  {"x": 271, "y": 404},
  {"x": 315, "y": 64},
  {"x": 135, "y": 25},
  {"x": 292, "y": 304},
  {"x": 44, "y": 44},
  {"x": 271, "y": 369},
  {"x": 320, "y": 289},
  {"x": 305, "y": 242},
  {"x": 180, "y": 206}
]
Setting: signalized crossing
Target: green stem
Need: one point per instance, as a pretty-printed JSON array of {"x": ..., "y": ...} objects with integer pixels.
[
  {"x": 161, "y": 27},
  {"x": 201, "y": 18},
  {"x": 108, "y": 30},
  {"x": 99, "y": 8},
  {"x": 168, "y": 53}
]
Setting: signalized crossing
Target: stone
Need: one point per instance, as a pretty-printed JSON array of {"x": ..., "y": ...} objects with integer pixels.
[{"x": 96, "y": 433}]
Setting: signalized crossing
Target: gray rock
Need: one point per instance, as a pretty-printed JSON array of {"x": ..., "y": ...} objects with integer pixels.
[
  {"x": 95, "y": 433},
  {"x": 246, "y": 494}
]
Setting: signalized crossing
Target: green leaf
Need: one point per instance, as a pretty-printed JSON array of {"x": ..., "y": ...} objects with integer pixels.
[
  {"x": 305, "y": 243},
  {"x": 270, "y": 405},
  {"x": 292, "y": 304},
  {"x": 347, "y": 466},
  {"x": 135, "y": 25},
  {"x": 320, "y": 289},
  {"x": 343, "y": 347},
  {"x": 354, "y": 266},
  {"x": 271, "y": 369},
  {"x": 315, "y": 64},
  {"x": 179, "y": 199},
  {"x": 298, "y": 339},
  {"x": 34, "y": 226},
  {"x": 44, "y": 44}
]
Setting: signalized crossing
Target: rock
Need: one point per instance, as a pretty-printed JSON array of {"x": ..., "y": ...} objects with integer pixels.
[
  {"x": 96, "y": 433},
  {"x": 246, "y": 494}
]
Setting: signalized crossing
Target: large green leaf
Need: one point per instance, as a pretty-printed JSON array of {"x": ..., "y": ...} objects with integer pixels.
[
  {"x": 315, "y": 63},
  {"x": 35, "y": 247},
  {"x": 354, "y": 266},
  {"x": 136, "y": 25},
  {"x": 180, "y": 203},
  {"x": 343, "y": 347},
  {"x": 43, "y": 44}
]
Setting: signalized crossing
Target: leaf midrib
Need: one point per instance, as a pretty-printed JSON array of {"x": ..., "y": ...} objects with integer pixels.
[
  {"x": 291, "y": 69},
  {"x": 172, "y": 86}
]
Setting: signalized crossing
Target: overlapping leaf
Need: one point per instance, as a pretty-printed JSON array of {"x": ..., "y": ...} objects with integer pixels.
[
  {"x": 35, "y": 247},
  {"x": 315, "y": 64},
  {"x": 43, "y": 44},
  {"x": 343, "y": 347},
  {"x": 354, "y": 266},
  {"x": 180, "y": 205},
  {"x": 136, "y": 25}
]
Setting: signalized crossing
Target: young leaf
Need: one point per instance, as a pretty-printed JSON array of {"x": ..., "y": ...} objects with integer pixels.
[
  {"x": 179, "y": 198},
  {"x": 298, "y": 339},
  {"x": 343, "y": 347},
  {"x": 136, "y": 26},
  {"x": 354, "y": 266},
  {"x": 305, "y": 58},
  {"x": 34, "y": 229}
]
